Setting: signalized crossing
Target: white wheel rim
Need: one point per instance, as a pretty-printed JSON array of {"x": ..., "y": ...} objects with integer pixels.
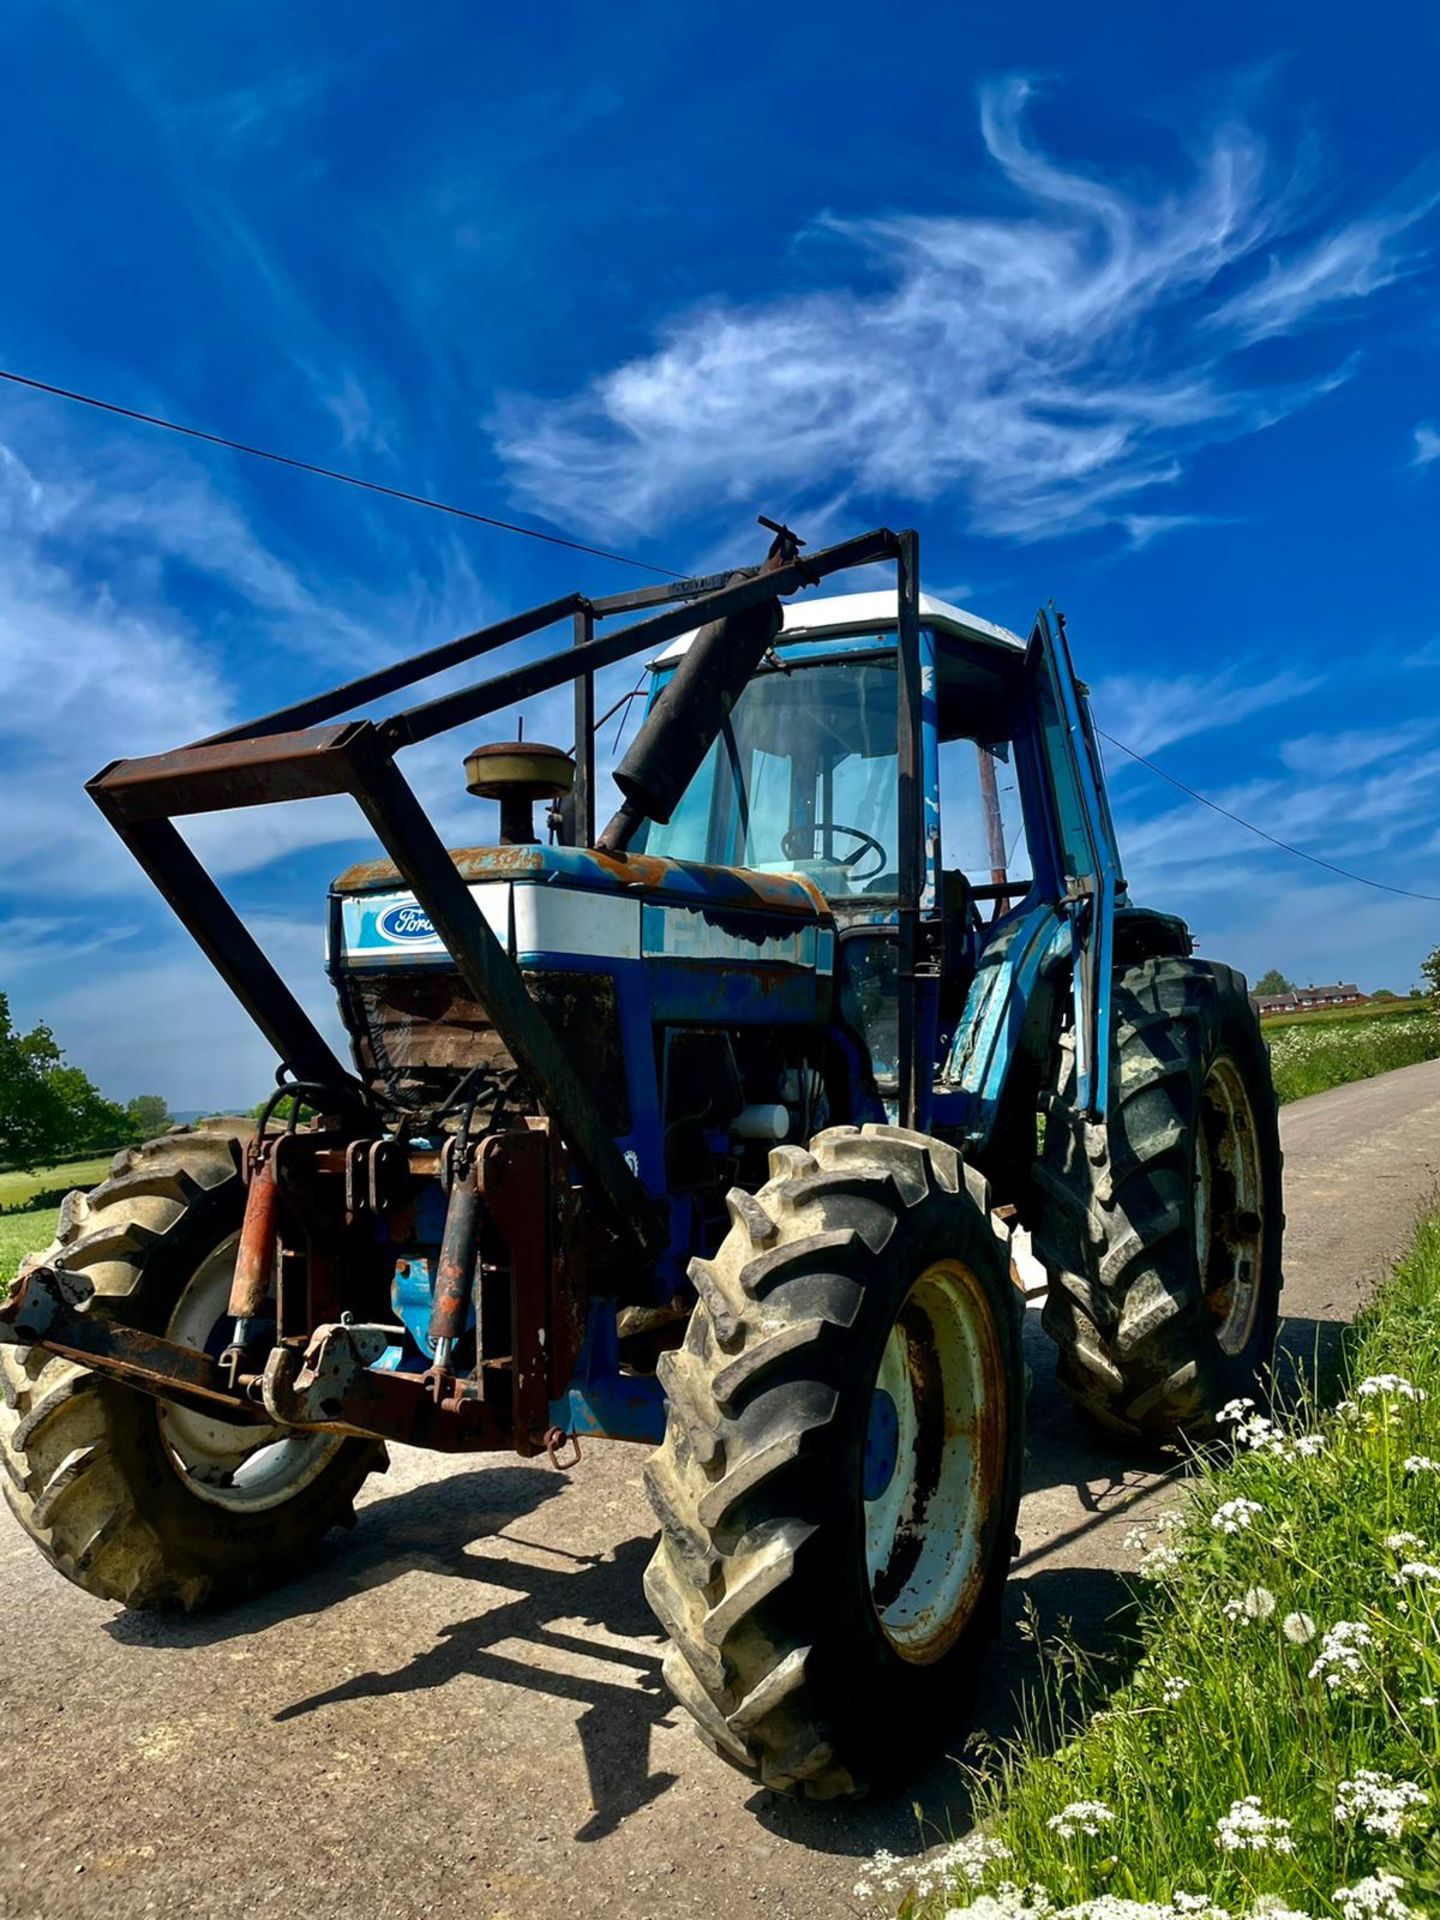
[
  {"x": 934, "y": 1462},
  {"x": 241, "y": 1467},
  {"x": 1229, "y": 1206}
]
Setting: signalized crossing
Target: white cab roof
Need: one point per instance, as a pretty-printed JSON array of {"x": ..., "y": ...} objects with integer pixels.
[{"x": 871, "y": 613}]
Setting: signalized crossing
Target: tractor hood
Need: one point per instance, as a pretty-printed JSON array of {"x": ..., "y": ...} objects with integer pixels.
[{"x": 569, "y": 903}]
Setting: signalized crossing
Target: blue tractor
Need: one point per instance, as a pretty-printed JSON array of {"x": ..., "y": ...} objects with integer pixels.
[{"x": 710, "y": 1129}]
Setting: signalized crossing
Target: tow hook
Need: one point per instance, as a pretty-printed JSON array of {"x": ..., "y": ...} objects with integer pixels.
[{"x": 556, "y": 1439}]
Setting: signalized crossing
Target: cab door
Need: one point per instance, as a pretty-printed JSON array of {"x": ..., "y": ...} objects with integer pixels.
[{"x": 1086, "y": 861}]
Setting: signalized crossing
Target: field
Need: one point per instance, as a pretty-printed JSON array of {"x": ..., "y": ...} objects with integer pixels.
[
  {"x": 1276, "y": 1748},
  {"x": 22, "y": 1233},
  {"x": 1310, "y": 1052},
  {"x": 1331, "y": 1016},
  {"x": 17, "y": 1188}
]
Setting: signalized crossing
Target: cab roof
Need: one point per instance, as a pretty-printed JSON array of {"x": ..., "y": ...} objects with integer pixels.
[{"x": 844, "y": 613}]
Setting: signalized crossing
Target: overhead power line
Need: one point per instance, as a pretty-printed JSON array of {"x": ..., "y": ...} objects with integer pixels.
[
  {"x": 328, "y": 473},
  {"x": 1329, "y": 866},
  {"x": 624, "y": 560}
]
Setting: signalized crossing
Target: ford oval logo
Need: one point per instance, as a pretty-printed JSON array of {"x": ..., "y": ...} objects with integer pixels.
[{"x": 404, "y": 923}]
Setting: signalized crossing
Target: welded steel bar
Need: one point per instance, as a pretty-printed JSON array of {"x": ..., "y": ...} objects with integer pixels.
[
  {"x": 308, "y": 765},
  {"x": 230, "y": 948},
  {"x": 400, "y": 673},
  {"x": 538, "y": 676},
  {"x": 405, "y": 831},
  {"x": 911, "y": 826},
  {"x": 584, "y": 793}
]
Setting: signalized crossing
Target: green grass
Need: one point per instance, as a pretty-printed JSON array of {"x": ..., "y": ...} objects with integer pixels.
[
  {"x": 1338, "y": 1016},
  {"x": 1225, "y": 1703},
  {"x": 17, "y": 1188},
  {"x": 22, "y": 1233},
  {"x": 1310, "y": 1056}
]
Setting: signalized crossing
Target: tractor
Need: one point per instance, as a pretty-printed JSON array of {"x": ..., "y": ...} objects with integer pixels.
[{"x": 709, "y": 1129}]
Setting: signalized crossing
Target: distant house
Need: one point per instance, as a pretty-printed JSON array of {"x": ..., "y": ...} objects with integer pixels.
[{"x": 1305, "y": 999}]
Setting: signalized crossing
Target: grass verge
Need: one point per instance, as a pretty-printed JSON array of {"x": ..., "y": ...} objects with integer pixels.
[
  {"x": 1277, "y": 1748},
  {"x": 1307, "y": 1058},
  {"x": 22, "y": 1233}
]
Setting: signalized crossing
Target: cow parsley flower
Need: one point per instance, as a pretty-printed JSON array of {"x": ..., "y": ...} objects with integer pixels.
[
  {"x": 1390, "y": 1385},
  {"x": 1422, "y": 1571},
  {"x": 1338, "y": 1662},
  {"x": 1298, "y": 1628},
  {"x": 1081, "y": 1816},
  {"x": 1235, "y": 1515},
  {"x": 1174, "y": 1687},
  {"x": 1377, "y": 1898},
  {"x": 1378, "y": 1802},
  {"x": 1247, "y": 1829},
  {"x": 1420, "y": 1463},
  {"x": 1234, "y": 1411},
  {"x": 1158, "y": 1562},
  {"x": 1398, "y": 1542}
]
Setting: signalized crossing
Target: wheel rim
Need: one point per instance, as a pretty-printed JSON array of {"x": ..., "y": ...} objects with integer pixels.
[
  {"x": 933, "y": 1462},
  {"x": 241, "y": 1467},
  {"x": 1229, "y": 1205}
]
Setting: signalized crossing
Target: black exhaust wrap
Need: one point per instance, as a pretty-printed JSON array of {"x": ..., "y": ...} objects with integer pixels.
[{"x": 681, "y": 727}]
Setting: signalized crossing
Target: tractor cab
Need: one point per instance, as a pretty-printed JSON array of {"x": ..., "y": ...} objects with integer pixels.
[{"x": 804, "y": 777}]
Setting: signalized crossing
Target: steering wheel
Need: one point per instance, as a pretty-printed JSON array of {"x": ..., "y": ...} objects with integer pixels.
[{"x": 794, "y": 847}]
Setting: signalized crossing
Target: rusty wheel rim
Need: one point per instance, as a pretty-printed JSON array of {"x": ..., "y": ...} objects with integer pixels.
[
  {"x": 1229, "y": 1206},
  {"x": 933, "y": 1462},
  {"x": 243, "y": 1468}
]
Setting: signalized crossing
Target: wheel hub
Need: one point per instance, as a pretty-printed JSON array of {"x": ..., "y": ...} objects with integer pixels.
[
  {"x": 933, "y": 1462},
  {"x": 1229, "y": 1223}
]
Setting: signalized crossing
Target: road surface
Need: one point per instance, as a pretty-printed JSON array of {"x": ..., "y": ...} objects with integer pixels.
[{"x": 458, "y": 1710}]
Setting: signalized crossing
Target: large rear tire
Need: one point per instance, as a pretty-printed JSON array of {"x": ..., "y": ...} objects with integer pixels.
[
  {"x": 838, "y": 1484},
  {"x": 1163, "y": 1237},
  {"x": 133, "y": 1498}
]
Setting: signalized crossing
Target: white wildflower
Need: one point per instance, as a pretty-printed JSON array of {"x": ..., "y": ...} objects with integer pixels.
[
  {"x": 1174, "y": 1687},
  {"x": 1391, "y": 1385},
  {"x": 1257, "y": 1603},
  {"x": 1233, "y": 1411},
  {"x": 1170, "y": 1520},
  {"x": 1398, "y": 1542},
  {"x": 1422, "y": 1571},
  {"x": 1158, "y": 1562},
  {"x": 1272, "y": 1907},
  {"x": 1246, "y": 1829},
  {"x": 1378, "y": 1802},
  {"x": 1428, "y": 1700},
  {"x": 1421, "y": 1463},
  {"x": 1377, "y": 1898},
  {"x": 1135, "y": 1537},
  {"x": 1298, "y": 1628},
  {"x": 1081, "y": 1816},
  {"x": 1338, "y": 1662},
  {"x": 968, "y": 1859},
  {"x": 1235, "y": 1515}
]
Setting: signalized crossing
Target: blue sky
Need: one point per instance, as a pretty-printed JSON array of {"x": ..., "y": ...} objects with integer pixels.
[{"x": 1134, "y": 308}]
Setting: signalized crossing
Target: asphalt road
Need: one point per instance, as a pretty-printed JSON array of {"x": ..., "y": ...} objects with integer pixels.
[{"x": 458, "y": 1709}]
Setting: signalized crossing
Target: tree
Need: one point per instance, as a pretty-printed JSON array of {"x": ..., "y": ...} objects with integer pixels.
[
  {"x": 49, "y": 1111},
  {"x": 148, "y": 1115},
  {"x": 1430, "y": 968},
  {"x": 1274, "y": 982}
]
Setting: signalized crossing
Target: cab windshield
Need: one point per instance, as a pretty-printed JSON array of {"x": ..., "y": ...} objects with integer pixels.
[{"x": 801, "y": 779}]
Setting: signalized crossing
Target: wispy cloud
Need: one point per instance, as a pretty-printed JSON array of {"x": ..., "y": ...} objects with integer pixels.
[
  {"x": 1427, "y": 445},
  {"x": 1346, "y": 752},
  {"x": 1046, "y": 366},
  {"x": 1152, "y": 711},
  {"x": 1355, "y": 261}
]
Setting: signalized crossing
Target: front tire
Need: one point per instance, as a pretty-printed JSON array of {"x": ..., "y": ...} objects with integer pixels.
[
  {"x": 840, "y": 1474},
  {"x": 137, "y": 1499}
]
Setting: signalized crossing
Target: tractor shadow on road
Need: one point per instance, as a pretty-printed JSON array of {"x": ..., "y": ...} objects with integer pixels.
[{"x": 1068, "y": 1597}]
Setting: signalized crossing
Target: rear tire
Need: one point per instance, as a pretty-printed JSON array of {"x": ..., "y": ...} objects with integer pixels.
[
  {"x": 840, "y": 1474},
  {"x": 130, "y": 1497},
  {"x": 1163, "y": 1240}
]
